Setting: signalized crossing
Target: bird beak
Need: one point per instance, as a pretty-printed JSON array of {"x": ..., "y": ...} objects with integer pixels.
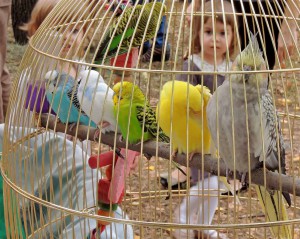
[
  {"x": 115, "y": 98},
  {"x": 246, "y": 77},
  {"x": 247, "y": 68},
  {"x": 51, "y": 88}
]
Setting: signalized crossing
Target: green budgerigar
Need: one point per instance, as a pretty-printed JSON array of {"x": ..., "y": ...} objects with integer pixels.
[
  {"x": 135, "y": 117},
  {"x": 131, "y": 25},
  {"x": 246, "y": 130}
]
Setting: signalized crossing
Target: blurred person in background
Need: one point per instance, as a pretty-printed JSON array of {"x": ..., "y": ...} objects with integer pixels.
[
  {"x": 5, "y": 80},
  {"x": 5, "y": 6}
]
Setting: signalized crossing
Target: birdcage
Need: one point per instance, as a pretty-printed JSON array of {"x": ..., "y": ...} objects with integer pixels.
[{"x": 69, "y": 175}]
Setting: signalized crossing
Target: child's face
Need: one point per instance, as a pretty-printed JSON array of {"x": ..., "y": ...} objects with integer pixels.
[
  {"x": 73, "y": 38},
  {"x": 219, "y": 41}
]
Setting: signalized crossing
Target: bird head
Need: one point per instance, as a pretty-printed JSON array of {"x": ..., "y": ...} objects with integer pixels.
[
  {"x": 56, "y": 80},
  {"x": 51, "y": 78},
  {"x": 249, "y": 60},
  {"x": 205, "y": 92},
  {"x": 182, "y": 94},
  {"x": 90, "y": 76},
  {"x": 127, "y": 91}
]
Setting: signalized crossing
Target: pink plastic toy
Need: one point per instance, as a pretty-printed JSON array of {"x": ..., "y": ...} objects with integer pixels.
[{"x": 111, "y": 188}]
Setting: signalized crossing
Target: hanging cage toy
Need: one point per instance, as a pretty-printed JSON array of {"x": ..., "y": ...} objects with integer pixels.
[{"x": 113, "y": 96}]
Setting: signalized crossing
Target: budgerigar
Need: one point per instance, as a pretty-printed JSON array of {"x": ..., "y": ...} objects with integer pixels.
[
  {"x": 132, "y": 23},
  {"x": 96, "y": 100},
  {"x": 246, "y": 130},
  {"x": 184, "y": 105},
  {"x": 181, "y": 113},
  {"x": 136, "y": 119},
  {"x": 61, "y": 93}
]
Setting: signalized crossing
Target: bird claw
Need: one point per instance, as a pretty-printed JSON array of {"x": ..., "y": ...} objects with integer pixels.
[
  {"x": 243, "y": 180},
  {"x": 174, "y": 154},
  {"x": 103, "y": 125},
  {"x": 121, "y": 138},
  {"x": 229, "y": 174},
  {"x": 71, "y": 126},
  {"x": 191, "y": 155},
  {"x": 139, "y": 143},
  {"x": 96, "y": 135},
  {"x": 148, "y": 156}
]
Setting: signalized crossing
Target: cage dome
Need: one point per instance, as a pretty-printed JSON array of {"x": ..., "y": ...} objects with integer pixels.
[{"x": 97, "y": 70}]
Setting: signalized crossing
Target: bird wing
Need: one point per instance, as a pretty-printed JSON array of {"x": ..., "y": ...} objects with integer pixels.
[
  {"x": 123, "y": 28},
  {"x": 103, "y": 106},
  {"x": 273, "y": 153},
  {"x": 72, "y": 95},
  {"x": 273, "y": 139},
  {"x": 117, "y": 33},
  {"x": 150, "y": 122},
  {"x": 112, "y": 48}
]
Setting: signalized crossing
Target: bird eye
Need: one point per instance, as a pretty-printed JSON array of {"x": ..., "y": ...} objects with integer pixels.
[{"x": 51, "y": 88}]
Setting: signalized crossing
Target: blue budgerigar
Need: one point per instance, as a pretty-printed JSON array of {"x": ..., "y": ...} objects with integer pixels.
[{"x": 62, "y": 95}]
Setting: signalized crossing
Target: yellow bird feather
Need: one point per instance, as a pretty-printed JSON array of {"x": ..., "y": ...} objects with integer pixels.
[
  {"x": 182, "y": 107},
  {"x": 182, "y": 116}
]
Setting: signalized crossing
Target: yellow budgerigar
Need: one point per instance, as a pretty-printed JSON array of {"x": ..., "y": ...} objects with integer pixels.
[{"x": 181, "y": 114}]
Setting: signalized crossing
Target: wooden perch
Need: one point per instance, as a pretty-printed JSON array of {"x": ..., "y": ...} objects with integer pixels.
[{"x": 210, "y": 164}]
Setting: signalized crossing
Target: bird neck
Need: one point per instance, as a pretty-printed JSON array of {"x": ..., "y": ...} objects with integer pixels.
[{"x": 246, "y": 92}]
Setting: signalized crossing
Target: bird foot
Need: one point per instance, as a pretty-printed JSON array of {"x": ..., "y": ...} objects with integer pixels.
[
  {"x": 37, "y": 120},
  {"x": 71, "y": 126},
  {"x": 121, "y": 139},
  {"x": 103, "y": 125},
  {"x": 243, "y": 180},
  {"x": 174, "y": 154},
  {"x": 191, "y": 155},
  {"x": 96, "y": 135},
  {"x": 139, "y": 143},
  {"x": 229, "y": 175}
]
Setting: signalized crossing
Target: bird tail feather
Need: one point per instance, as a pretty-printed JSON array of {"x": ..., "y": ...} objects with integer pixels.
[{"x": 275, "y": 210}]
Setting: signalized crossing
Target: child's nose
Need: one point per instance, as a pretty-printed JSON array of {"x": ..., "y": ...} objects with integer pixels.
[{"x": 67, "y": 36}]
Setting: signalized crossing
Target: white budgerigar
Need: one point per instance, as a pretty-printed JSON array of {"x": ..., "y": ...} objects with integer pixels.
[
  {"x": 96, "y": 99},
  {"x": 246, "y": 130}
]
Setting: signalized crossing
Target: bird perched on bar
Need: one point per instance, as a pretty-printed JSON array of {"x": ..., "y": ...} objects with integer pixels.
[
  {"x": 185, "y": 105},
  {"x": 135, "y": 117},
  {"x": 96, "y": 100},
  {"x": 246, "y": 129},
  {"x": 137, "y": 24},
  {"x": 61, "y": 93}
]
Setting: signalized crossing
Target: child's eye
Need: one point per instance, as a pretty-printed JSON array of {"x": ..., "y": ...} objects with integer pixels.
[
  {"x": 208, "y": 32},
  {"x": 75, "y": 31}
]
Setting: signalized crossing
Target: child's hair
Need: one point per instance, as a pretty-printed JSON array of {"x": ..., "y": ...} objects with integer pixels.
[
  {"x": 43, "y": 7},
  {"x": 214, "y": 8},
  {"x": 40, "y": 11}
]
